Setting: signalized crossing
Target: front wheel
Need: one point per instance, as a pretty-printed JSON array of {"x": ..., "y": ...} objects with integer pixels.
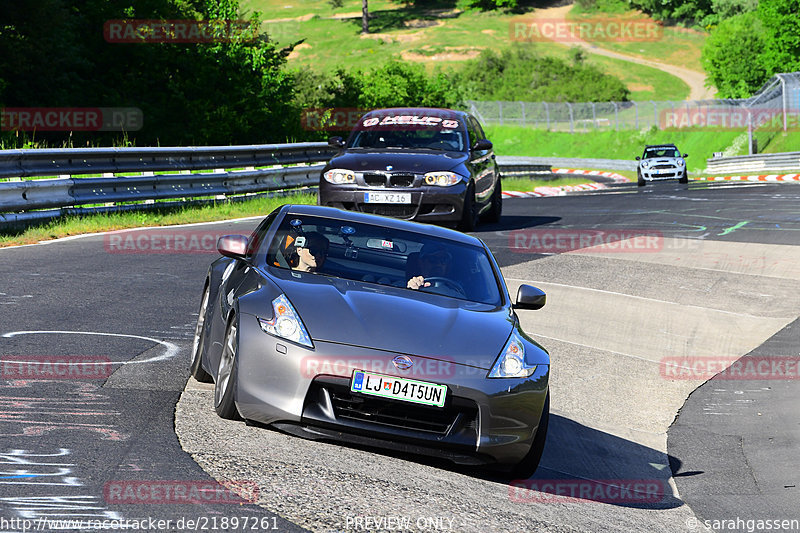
[
  {"x": 469, "y": 212},
  {"x": 684, "y": 178},
  {"x": 199, "y": 342},
  {"x": 530, "y": 462},
  {"x": 227, "y": 374},
  {"x": 496, "y": 208},
  {"x": 639, "y": 179}
]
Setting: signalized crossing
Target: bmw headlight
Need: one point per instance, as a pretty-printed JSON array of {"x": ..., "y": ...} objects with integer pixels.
[
  {"x": 645, "y": 164},
  {"x": 511, "y": 363},
  {"x": 339, "y": 176},
  {"x": 442, "y": 179},
  {"x": 680, "y": 162},
  {"x": 286, "y": 323}
]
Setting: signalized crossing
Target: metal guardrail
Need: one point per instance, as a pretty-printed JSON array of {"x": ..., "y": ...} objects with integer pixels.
[
  {"x": 185, "y": 175},
  {"x": 754, "y": 163},
  {"x": 509, "y": 162}
]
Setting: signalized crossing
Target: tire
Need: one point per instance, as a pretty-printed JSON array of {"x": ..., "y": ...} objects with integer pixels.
[
  {"x": 684, "y": 178},
  {"x": 199, "y": 342},
  {"x": 639, "y": 179},
  {"x": 469, "y": 214},
  {"x": 527, "y": 467},
  {"x": 225, "y": 386},
  {"x": 496, "y": 209}
]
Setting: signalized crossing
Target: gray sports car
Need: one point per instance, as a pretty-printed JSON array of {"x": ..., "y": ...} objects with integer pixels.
[{"x": 335, "y": 325}]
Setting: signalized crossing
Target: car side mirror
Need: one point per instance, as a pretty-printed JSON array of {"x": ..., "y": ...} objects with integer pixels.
[
  {"x": 685, "y": 155},
  {"x": 336, "y": 142},
  {"x": 529, "y": 297},
  {"x": 638, "y": 158},
  {"x": 481, "y": 145},
  {"x": 233, "y": 246}
]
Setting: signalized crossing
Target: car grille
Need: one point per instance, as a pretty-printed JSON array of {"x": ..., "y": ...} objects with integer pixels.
[
  {"x": 375, "y": 179},
  {"x": 672, "y": 167},
  {"x": 390, "y": 210},
  {"x": 458, "y": 419},
  {"x": 401, "y": 180}
]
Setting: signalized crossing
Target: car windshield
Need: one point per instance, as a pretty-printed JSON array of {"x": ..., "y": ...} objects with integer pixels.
[
  {"x": 430, "y": 132},
  {"x": 383, "y": 256},
  {"x": 661, "y": 152}
]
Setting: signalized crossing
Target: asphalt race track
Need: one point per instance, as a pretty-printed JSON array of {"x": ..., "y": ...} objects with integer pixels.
[{"x": 706, "y": 274}]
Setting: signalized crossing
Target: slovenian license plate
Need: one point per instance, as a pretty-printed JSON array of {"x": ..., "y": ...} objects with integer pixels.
[
  {"x": 387, "y": 197},
  {"x": 407, "y": 390}
]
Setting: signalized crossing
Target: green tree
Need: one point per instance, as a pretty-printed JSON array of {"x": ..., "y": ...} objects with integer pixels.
[
  {"x": 732, "y": 54},
  {"x": 781, "y": 25}
]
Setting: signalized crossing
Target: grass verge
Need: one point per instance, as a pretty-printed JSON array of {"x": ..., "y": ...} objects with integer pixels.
[{"x": 74, "y": 225}]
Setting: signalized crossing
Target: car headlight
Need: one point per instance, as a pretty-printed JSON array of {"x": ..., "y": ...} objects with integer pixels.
[
  {"x": 286, "y": 323},
  {"x": 339, "y": 176},
  {"x": 645, "y": 164},
  {"x": 442, "y": 179},
  {"x": 511, "y": 363},
  {"x": 680, "y": 162}
]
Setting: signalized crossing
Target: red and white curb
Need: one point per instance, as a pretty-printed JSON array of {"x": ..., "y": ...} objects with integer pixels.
[
  {"x": 763, "y": 177},
  {"x": 564, "y": 189}
]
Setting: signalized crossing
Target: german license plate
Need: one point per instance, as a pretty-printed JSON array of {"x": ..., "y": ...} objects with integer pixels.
[
  {"x": 407, "y": 390},
  {"x": 387, "y": 197}
]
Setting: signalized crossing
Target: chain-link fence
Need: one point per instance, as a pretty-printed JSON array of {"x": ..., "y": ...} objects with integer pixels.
[{"x": 772, "y": 109}]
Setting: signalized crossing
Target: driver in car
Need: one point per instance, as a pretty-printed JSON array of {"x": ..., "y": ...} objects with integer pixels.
[{"x": 434, "y": 261}]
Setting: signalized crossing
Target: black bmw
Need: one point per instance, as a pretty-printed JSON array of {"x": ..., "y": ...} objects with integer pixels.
[{"x": 423, "y": 164}]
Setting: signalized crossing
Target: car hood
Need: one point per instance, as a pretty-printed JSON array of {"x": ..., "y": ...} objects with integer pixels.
[
  {"x": 417, "y": 162},
  {"x": 396, "y": 319},
  {"x": 661, "y": 161}
]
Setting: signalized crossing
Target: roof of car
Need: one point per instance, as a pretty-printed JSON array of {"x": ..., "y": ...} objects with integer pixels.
[
  {"x": 437, "y": 111},
  {"x": 392, "y": 223},
  {"x": 660, "y": 146}
]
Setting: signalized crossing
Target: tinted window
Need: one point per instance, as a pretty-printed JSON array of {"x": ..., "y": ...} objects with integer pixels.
[
  {"x": 383, "y": 256},
  {"x": 426, "y": 131}
]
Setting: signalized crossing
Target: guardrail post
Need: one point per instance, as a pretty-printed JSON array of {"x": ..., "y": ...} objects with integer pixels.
[
  {"x": 571, "y": 121},
  {"x": 616, "y": 115},
  {"x": 547, "y": 114},
  {"x": 655, "y": 115},
  {"x": 594, "y": 116}
]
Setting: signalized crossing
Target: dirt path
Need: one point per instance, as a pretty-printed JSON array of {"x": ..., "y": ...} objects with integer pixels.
[{"x": 694, "y": 79}]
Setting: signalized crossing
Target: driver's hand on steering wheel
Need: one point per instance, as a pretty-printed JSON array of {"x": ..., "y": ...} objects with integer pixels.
[{"x": 416, "y": 282}]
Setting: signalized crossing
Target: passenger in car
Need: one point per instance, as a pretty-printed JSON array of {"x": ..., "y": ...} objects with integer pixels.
[{"x": 310, "y": 251}]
